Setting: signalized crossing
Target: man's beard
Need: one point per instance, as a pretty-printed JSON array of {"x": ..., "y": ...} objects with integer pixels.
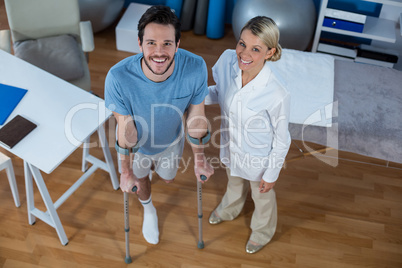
[{"x": 149, "y": 67}]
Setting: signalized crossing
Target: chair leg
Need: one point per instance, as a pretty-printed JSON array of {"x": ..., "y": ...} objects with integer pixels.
[{"x": 12, "y": 181}]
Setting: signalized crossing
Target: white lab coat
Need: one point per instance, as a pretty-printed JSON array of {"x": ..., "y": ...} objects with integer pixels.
[{"x": 254, "y": 123}]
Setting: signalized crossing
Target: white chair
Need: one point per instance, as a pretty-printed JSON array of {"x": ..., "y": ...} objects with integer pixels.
[
  {"x": 5, "y": 163},
  {"x": 50, "y": 35}
]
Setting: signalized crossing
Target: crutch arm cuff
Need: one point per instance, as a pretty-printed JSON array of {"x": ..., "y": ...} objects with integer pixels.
[
  {"x": 126, "y": 151},
  {"x": 199, "y": 141}
]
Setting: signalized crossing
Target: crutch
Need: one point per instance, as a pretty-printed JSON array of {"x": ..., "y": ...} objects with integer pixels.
[
  {"x": 127, "y": 226},
  {"x": 199, "y": 194}
]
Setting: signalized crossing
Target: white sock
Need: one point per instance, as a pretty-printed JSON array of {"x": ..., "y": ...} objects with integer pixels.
[{"x": 150, "y": 229}]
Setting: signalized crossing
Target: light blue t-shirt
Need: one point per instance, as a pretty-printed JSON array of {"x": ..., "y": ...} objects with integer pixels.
[{"x": 157, "y": 108}]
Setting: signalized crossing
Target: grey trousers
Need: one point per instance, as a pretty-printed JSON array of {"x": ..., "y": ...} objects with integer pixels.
[{"x": 264, "y": 219}]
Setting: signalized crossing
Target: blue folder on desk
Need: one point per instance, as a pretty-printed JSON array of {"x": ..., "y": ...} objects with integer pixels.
[{"x": 9, "y": 98}]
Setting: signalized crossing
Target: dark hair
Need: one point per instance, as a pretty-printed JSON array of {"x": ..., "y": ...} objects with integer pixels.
[{"x": 160, "y": 15}]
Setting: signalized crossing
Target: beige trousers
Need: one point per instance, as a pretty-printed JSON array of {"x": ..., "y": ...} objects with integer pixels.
[{"x": 264, "y": 219}]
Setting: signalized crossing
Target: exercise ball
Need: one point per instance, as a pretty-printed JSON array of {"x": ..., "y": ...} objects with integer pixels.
[
  {"x": 296, "y": 19},
  {"x": 101, "y": 13}
]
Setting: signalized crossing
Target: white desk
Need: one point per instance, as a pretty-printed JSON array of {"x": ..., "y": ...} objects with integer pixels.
[{"x": 66, "y": 117}]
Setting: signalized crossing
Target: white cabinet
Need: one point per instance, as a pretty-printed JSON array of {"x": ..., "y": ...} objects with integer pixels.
[{"x": 384, "y": 31}]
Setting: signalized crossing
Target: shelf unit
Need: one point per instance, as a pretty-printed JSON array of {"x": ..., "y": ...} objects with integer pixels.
[{"x": 381, "y": 30}]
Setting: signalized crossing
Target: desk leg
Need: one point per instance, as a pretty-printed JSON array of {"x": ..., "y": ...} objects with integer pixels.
[
  {"x": 85, "y": 153},
  {"x": 108, "y": 157},
  {"x": 29, "y": 193},
  {"x": 54, "y": 217}
]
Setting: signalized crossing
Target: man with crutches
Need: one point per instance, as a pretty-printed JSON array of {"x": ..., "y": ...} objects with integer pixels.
[{"x": 149, "y": 94}]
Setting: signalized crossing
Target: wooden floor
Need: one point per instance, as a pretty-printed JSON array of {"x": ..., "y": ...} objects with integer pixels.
[{"x": 344, "y": 216}]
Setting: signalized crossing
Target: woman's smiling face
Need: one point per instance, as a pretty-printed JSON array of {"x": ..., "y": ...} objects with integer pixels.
[{"x": 252, "y": 52}]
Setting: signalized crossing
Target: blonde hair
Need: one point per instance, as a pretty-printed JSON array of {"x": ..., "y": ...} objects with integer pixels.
[{"x": 266, "y": 29}]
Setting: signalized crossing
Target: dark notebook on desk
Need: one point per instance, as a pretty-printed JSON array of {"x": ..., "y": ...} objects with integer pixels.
[
  {"x": 15, "y": 130},
  {"x": 9, "y": 98}
]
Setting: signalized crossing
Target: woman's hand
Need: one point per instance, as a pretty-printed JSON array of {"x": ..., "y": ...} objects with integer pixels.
[{"x": 266, "y": 186}]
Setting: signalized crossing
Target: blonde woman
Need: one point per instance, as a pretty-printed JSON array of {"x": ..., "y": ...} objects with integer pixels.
[{"x": 254, "y": 127}]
